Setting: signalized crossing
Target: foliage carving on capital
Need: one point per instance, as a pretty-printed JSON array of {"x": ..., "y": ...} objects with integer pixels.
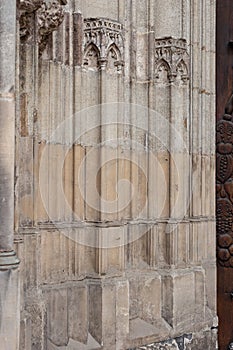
[
  {"x": 26, "y": 9},
  {"x": 171, "y": 60},
  {"x": 47, "y": 15},
  {"x": 103, "y": 44},
  {"x": 49, "y": 18}
]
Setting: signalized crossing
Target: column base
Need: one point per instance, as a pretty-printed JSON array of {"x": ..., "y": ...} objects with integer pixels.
[{"x": 8, "y": 260}]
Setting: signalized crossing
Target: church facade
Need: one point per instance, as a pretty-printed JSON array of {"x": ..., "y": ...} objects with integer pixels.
[{"x": 107, "y": 186}]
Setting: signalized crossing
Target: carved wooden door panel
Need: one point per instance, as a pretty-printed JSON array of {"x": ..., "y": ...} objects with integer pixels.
[{"x": 224, "y": 171}]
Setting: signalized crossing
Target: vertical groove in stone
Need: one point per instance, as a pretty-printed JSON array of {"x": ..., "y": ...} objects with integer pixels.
[
  {"x": 152, "y": 245},
  {"x": 53, "y": 101},
  {"x": 59, "y": 42},
  {"x": 204, "y": 120},
  {"x": 35, "y": 127},
  {"x": 66, "y": 33},
  {"x": 62, "y": 97},
  {"x": 77, "y": 39},
  {"x": 133, "y": 102},
  {"x": 212, "y": 112},
  {"x": 25, "y": 129},
  {"x": 104, "y": 136},
  {"x": 173, "y": 185},
  {"x": 196, "y": 109},
  {"x": 152, "y": 163}
]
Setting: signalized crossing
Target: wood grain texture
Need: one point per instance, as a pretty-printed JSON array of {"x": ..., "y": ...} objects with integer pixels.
[{"x": 224, "y": 87}]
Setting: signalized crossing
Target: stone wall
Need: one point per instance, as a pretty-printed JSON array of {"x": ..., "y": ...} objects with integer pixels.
[{"x": 115, "y": 174}]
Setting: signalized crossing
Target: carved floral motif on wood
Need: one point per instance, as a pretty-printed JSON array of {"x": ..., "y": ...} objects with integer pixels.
[{"x": 224, "y": 187}]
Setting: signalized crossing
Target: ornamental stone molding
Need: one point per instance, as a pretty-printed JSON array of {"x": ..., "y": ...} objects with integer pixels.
[
  {"x": 171, "y": 60},
  {"x": 48, "y": 15},
  {"x": 103, "y": 44}
]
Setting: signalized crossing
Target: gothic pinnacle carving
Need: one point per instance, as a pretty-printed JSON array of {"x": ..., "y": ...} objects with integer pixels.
[
  {"x": 49, "y": 15},
  {"x": 103, "y": 44},
  {"x": 172, "y": 57}
]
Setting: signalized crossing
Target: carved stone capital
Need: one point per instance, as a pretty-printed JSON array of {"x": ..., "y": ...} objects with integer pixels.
[
  {"x": 103, "y": 44},
  {"x": 26, "y": 10},
  {"x": 171, "y": 56},
  {"x": 48, "y": 15}
]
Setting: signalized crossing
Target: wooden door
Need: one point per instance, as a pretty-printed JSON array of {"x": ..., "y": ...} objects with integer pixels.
[{"x": 224, "y": 170}]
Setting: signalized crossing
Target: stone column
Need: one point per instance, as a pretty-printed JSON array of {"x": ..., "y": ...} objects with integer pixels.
[
  {"x": 9, "y": 278},
  {"x": 7, "y": 132}
]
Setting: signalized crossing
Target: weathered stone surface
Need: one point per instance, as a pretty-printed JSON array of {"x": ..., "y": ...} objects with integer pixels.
[
  {"x": 108, "y": 312},
  {"x": 78, "y": 313},
  {"x": 115, "y": 206},
  {"x": 36, "y": 313},
  {"x": 9, "y": 277},
  {"x": 7, "y": 106},
  {"x": 8, "y": 49},
  {"x": 183, "y": 298},
  {"x": 48, "y": 16},
  {"x": 145, "y": 296},
  {"x": 9, "y": 309},
  {"x": 57, "y": 316},
  {"x": 202, "y": 340}
]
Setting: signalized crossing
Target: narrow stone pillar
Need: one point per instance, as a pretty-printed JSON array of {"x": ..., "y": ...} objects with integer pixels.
[
  {"x": 7, "y": 132},
  {"x": 9, "y": 275}
]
